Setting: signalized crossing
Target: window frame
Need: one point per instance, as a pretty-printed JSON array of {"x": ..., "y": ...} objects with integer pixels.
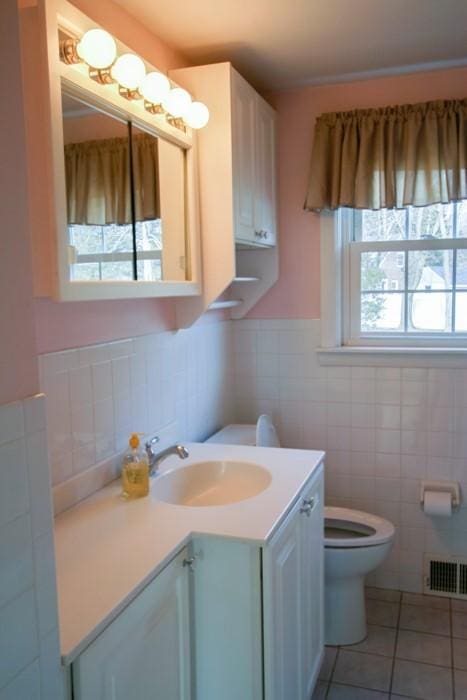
[{"x": 341, "y": 288}]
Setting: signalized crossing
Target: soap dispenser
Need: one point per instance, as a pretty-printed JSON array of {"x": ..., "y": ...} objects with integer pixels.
[{"x": 135, "y": 470}]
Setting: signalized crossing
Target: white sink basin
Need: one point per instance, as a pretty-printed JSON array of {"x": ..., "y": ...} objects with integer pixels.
[{"x": 215, "y": 483}]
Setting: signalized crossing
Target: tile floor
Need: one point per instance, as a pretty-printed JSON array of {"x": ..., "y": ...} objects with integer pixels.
[{"x": 416, "y": 648}]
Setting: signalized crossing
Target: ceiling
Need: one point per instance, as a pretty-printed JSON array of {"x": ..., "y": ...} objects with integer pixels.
[{"x": 286, "y": 43}]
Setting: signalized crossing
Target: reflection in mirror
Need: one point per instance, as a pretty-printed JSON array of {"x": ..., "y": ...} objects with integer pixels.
[
  {"x": 159, "y": 203},
  {"x": 99, "y": 209}
]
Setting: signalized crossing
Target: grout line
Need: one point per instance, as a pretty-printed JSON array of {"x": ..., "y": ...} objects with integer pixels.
[
  {"x": 395, "y": 649},
  {"x": 453, "y": 676},
  {"x": 332, "y": 672}
]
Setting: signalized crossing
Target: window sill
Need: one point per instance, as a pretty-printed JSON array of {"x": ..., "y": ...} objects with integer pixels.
[{"x": 383, "y": 356}]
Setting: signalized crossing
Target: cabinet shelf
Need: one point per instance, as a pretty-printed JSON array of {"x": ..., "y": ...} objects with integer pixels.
[{"x": 229, "y": 304}]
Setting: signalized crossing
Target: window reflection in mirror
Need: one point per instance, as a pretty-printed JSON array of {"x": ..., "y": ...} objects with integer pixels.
[
  {"x": 125, "y": 209},
  {"x": 97, "y": 171}
]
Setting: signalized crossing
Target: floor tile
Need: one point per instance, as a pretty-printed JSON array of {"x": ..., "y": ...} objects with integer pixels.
[
  {"x": 460, "y": 685},
  {"x": 459, "y": 648},
  {"x": 364, "y": 670},
  {"x": 321, "y": 688},
  {"x": 382, "y": 613},
  {"x": 328, "y": 663},
  {"x": 420, "y": 619},
  {"x": 426, "y": 601},
  {"x": 349, "y": 692},
  {"x": 427, "y": 648},
  {"x": 459, "y": 625},
  {"x": 386, "y": 594},
  {"x": 421, "y": 681},
  {"x": 380, "y": 640}
]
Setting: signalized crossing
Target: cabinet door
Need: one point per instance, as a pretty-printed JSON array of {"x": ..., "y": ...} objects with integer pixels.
[
  {"x": 293, "y": 600},
  {"x": 265, "y": 200},
  {"x": 282, "y": 580},
  {"x": 243, "y": 155},
  {"x": 145, "y": 653},
  {"x": 312, "y": 553}
]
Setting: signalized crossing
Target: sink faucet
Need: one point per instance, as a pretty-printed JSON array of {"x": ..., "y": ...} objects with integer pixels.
[{"x": 155, "y": 458}]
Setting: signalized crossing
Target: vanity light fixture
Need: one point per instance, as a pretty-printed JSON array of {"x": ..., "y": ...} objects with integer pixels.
[
  {"x": 154, "y": 88},
  {"x": 129, "y": 72},
  {"x": 98, "y": 49}
]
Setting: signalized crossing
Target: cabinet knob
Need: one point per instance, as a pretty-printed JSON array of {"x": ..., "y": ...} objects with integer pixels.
[
  {"x": 258, "y": 234},
  {"x": 190, "y": 563},
  {"x": 307, "y": 506}
]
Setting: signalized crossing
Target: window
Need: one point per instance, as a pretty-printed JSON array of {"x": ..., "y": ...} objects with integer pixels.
[
  {"x": 106, "y": 252},
  {"x": 405, "y": 275}
]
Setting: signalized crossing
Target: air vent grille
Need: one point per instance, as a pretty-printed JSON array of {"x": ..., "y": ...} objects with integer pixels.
[{"x": 445, "y": 576}]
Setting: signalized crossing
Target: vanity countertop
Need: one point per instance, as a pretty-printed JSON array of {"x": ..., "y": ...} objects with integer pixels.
[{"x": 108, "y": 548}]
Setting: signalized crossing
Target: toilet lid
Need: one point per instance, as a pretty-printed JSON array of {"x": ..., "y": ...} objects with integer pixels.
[{"x": 344, "y": 527}]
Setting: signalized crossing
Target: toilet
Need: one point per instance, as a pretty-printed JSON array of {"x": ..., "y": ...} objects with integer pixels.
[{"x": 355, "y": 544}]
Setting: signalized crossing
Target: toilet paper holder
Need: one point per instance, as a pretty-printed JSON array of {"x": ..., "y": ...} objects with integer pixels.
[{"x": 451, "y": 487}]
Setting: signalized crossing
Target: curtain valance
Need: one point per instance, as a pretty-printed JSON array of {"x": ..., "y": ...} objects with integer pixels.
[
  {"x": 98, "y": 182},
  {"x": 390, "y": 157}
]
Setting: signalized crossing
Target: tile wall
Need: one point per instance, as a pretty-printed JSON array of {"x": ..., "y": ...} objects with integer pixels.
[
  {"x": 384, "y": 429},
  {"x": 29, "y": 649},
  {"x": 176, "y": 383}
]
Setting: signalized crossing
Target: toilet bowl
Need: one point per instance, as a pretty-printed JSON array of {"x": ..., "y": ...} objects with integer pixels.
[{"x": 355, "y": 543}]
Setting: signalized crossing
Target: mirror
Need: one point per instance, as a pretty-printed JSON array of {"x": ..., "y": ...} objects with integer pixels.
[{"x": 125, "y": 199}]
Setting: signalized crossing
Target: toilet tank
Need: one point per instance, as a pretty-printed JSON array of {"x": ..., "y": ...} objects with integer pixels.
[{"x": 262, "y": 434}]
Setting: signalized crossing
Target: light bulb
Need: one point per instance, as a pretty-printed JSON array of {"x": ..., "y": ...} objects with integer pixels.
[
  {"x": 155, "y": 87},
  {"x": 97, "y": 48},
  {"x": 128, "y": 70},
  {"x": 197, "y": 115},
  {"x": 176, "y": 102}
]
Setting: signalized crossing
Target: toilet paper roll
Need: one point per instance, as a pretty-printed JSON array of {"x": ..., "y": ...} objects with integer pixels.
[{"x": 438, "y": 503}]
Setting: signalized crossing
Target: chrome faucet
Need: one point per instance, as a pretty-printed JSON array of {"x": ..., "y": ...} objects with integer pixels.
[{"x": 155, "y": 458}]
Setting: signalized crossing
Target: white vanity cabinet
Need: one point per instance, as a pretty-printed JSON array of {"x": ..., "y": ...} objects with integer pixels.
[
  {"x": 254, "y": 170},
  {"x": 145, "y": 654}
]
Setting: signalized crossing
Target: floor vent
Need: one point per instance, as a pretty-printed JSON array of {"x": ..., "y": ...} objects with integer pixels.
[{"x": 445, "y": 576}]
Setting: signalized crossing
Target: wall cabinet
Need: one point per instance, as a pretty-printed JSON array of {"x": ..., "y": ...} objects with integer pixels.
[
  {"x": 145, "y": 653},
  {"x": 253, "y": 148},
  {"x": 250, "y": 617}
]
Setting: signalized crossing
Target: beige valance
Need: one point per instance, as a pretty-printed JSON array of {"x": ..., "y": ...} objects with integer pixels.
[
  {"x": 390, "y": 157},
  {"x": 98, "y": 183}
]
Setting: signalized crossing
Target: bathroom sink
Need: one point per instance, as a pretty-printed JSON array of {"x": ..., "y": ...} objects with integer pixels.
[{"x": 215, "y": 483}]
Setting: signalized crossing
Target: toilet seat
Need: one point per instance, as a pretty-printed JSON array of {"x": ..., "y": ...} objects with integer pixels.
[{"x": 345, "y": 528}]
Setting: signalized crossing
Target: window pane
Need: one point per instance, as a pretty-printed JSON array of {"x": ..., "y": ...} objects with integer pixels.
[
  {"x": 149, "y": 270},
  {"x": 431, "y": 222},
  {"x": 381, "y": 225},
  {"x": 117, "y": 270},
  {"x": 461, "y": 269},
  {"x": 118, "y": 239},
  {"x": 382, "y": 312},
  {"x": 430, "y": 311},
  {"x": 461, "y": 312},
  {"x": 86, "y": 239},
  {"x": 462, "y": 219},
  {"x": 149, "y": 235},
  {"x": 383, "y": 270},
  {"x": 84, "y": 272},
  {"x": 430, "y": 269}
]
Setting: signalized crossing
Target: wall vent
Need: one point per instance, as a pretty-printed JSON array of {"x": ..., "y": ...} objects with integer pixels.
[{"x": 445, "y": 576}]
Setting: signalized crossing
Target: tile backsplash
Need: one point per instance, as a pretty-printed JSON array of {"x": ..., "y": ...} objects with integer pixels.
[
  {"x": 173, "y": 383},
  {"x": 383, "y": 428}
]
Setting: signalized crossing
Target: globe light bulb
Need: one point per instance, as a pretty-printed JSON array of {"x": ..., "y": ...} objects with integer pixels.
[
  {"x": 196, "y": 116},
  {"x": 155, "y": 87},
  {"x": 176, "y": 102},
  {"x": 97, "y": 48},
  {"x": 129, "y": 71}
]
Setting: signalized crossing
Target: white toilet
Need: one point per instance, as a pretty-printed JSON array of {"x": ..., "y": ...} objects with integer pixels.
[{"x": 355, "y": 543}]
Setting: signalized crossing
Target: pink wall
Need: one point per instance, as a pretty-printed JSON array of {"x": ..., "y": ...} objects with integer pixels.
[
  {"x": 18, "y": 364},
  {"x": 296, "y": 294}
]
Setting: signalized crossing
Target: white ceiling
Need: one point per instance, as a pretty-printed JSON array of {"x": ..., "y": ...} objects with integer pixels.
[{"x": 284, "y": 43}]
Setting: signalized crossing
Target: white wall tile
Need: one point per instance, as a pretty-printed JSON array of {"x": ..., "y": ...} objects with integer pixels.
[
  {"x": 46, "y": 589},
  {"x": 80, "y": 385},
  {"x": 11, "y": 421},
  {"x": 14, "y": 492},
  {"x": 19, "y": 644},
  {"x": 25, "y": 686},
  {"x": 16, "y": 570},
  {"x": 101, "y": 381}
]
